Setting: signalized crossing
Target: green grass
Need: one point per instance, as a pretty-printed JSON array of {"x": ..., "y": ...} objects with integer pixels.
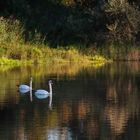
[
  {"x": 5, "y": 61},
  {"x": 14, "y": 51},
  {"x": 23, "y": 53},
  {"x": 13, "y": 62}
]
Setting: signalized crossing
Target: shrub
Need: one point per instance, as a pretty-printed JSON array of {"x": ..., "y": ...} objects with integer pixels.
[
  {"x": 10, "y": 31},
  {"x": 123, "y": 21}
]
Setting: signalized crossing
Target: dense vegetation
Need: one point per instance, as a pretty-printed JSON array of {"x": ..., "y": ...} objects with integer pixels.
[{"x": 86, "y": 24}]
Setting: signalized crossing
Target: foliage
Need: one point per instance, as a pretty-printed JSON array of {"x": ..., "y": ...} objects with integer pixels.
[
  {"x": 74, "y": 21},
  {"x": 10, "y": 31},
  {"x": 123, "y": 20},
  {"x": 28, "y": 28},
  {"x": 5, "y": 61}
]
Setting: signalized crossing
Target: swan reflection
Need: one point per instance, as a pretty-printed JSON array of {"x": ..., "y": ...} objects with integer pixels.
[
  {"x": 31, "y": 96},
  {"x": 44, "y": 96}
]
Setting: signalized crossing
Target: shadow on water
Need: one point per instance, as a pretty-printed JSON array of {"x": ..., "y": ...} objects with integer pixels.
[{"x": 88, "y": 103}]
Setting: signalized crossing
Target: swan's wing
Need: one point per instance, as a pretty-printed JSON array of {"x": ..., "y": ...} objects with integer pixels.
[
  {"x": 23, "y": 91},
  {"x": 41, "y": 96},
  {"x": 41, "y": 91},
  {"x": 24, "y": 87}
]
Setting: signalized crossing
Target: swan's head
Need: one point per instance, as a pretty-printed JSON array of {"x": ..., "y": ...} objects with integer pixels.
[
  {"x": 50, "y": 81},
  {"x": 31, "y": 79}
]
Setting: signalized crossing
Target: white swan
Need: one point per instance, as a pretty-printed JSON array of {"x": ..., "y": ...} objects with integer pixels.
[
  {"x": 26, "y": 88},
  {"x": 44, "y": 92}
]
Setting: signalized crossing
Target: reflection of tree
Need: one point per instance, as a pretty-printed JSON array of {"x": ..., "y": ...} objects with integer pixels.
[
  {"x": 118, "y": 118},
  {"x": 121, "y": 103},
  {"x": 65, "y": 115},
  {"x": 93, "y": 127}
]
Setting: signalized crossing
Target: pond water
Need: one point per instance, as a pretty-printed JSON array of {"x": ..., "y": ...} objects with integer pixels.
[{"x": 88, "y": 103}]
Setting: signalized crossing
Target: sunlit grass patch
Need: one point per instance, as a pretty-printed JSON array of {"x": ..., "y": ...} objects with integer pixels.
[
  {"x": 43, "y": 54},
  {"x": 6, "y": 61},
  {"x": 98, "y": 58},
  {"x": 12, "y": 62}
]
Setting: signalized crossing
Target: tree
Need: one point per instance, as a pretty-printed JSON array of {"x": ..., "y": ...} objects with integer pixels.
[{"x": 123, "y": 20}]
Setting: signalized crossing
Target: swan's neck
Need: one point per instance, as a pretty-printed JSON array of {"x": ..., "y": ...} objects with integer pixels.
[
  {"x": 31, "y": 84},
  {"x": 50, "y": 87}
]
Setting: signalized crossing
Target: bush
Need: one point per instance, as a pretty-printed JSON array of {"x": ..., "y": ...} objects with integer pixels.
[
  {"x": 10, "y": 31},
  {"x": 123, "y": 21}
]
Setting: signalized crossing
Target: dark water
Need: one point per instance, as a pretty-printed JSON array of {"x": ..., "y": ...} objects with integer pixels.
[{"x": 88, "y": 103}]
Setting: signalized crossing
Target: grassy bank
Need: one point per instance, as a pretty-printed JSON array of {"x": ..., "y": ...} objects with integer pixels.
[
  {"x": 15, "y": 51},
  {"x": 123, "y": 52},
  {"x": 29, "y": 53}
]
